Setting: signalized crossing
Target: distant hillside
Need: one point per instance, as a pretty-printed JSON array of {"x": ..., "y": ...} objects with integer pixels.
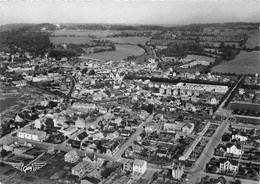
[{"x": 9, "y": 27}]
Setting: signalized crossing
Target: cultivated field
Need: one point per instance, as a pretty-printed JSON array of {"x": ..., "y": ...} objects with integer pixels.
[
  {"x": 201, "y": 58},
  {"x": 121, "y": 52},
  {"x": 131, "y": 40},
  {"x": 76, "y": 40},
  {"x": 253, "y": 39},
  {"x": 244, "y": 63}
]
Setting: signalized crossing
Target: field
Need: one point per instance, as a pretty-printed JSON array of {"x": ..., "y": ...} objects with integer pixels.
[
  {"x": 201, "y": 58},
  {"x": 244, "y": 63},
  {"x": 253, "y": 39},
  {"x": 131, "y": 40},
  {"x": 77, "y": 40},
  {"x": 97, "y": 33},
  {"x": 121, "y": 52}
]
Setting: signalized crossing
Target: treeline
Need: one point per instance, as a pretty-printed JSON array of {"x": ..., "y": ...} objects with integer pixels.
[
  {"x": 180, "y": 49},
  {"x": 28, "y": 39},
  {"x": 111, "y": 27}
]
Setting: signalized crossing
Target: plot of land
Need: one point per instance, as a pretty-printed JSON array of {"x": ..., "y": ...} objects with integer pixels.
[{"x": 244, "y": 63}]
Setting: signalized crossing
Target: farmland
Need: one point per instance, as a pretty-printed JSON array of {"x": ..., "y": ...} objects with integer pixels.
[
  {"x": 244, "y": 63},
  {"x": 253, "y": 39},
  {"x": 76, "y": 40},
  {"x": 200, "y": 58},
  {"x": 121, "y": 52},
  {"x": 131, "y": 40}
]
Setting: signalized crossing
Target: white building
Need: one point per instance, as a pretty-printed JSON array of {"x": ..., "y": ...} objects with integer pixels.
[
  {"x": 139, "y": 166},
  {"x": 34, "y": 135},
  {"x": 188, "y": 128},
  {"x": 234, "y": 149},
  {"x": 231, "y": 165}
]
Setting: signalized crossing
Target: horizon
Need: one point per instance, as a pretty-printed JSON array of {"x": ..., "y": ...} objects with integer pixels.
[{"x": 168, "y": 13}]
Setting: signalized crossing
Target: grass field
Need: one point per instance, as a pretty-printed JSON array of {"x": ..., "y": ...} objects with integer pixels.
[
  {"x": 77, "y": 40},
  {"x": 132, "y": 40},
  {"x": 97, "y": 33},
  {"x": 121, "y": 52},
  {"x": 244, "y": 63},
  {"x": 253, "y": 39},
  {"x": 201, "y": 58}
]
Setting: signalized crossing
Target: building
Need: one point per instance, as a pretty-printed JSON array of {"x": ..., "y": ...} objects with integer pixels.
[
  {"x": 177, "y": 171},
  {"x": 34, "y": 135},
  {"x": 71, "y": 156},
  {"x": 81, "y": 168},
  {"x": 240, "y": 136},
  {"x": 188, "y": 128},
  {"x": 128, "y": 166},
  {"x": 139, "y": 166},
  {"x": 234, "y": 149},
  {"x": 228, "y": 165}
]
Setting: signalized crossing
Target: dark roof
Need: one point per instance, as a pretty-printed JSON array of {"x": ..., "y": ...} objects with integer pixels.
[
  {"x": 224, "y": 160},
  {"x": 221, "y": 180},
  {"x": 70, "y": 141},
  {"x": 229, "y": 145}
]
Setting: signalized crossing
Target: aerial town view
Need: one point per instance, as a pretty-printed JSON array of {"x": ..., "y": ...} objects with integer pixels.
[{"x": 121, "y": 92}]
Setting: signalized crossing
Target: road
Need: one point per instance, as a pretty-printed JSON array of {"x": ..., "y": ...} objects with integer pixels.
[
  {"x": 72, "y": 86},
  {"x": 132, "y": 138},
  {"x": 200, "y": 165}
]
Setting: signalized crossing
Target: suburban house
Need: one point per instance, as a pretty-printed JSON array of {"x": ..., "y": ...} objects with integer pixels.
[
  {"x": 228, "y": 164},
  {"x": 81, "y": 168},
  {"x": 177, "y": 171},
  {"x": 234, "y": 149},
  {"x": 188, "y": 128},
  {"x": 111, "y": 147},
  {"x": 34, "y": 135},
  {"x": 240, "y": 136},
  {"x": 139, "y": 166},
  {"x": 71, "y": 156},
  {"x": 221, "y": 180}
]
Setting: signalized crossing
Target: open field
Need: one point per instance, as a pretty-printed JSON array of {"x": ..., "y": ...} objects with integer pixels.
[
  {"x": 253, "y": 39},
  {"x": 131, "y": 40},
  {"x": 200, "y": 58},
  {"x": 244, "y": 63},
  {"x": 76, "y": 40},
  {"x": 121, "y": 52},
  {"x": 97, "y": 33}
]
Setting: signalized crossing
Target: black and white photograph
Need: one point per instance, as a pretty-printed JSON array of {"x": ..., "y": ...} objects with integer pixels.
[{"x": 129, "y": 92}]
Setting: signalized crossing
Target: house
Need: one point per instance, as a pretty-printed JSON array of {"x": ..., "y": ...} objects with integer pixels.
[
  {"x": 69, "y": 131},
  {"x": 71, "y": 156},
  {"x": 228, "y": 164},
  {"x": 111, "y": 147},
  {"x": 161, "y": 153},
  {"x": 34, "y": 135},
  {"x": 188, "y": 128},
  {"x": 80, "y": 123},
  {"x": 81, "y": 168},
  {"x": 128, "y": 166},
  {"x": 37, "y": 124},
  {"x": 177, "y": 171},
  {"x": 240, "y": 136},
  {"x": 234, "y": 149},
  {"x": 81, "y": 136},
  {"x": 139, "y": 166},
  {"x": 221, "y": 180}
]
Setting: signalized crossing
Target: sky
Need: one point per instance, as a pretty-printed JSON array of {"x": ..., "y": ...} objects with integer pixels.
[{"x": 129, "y": 12}]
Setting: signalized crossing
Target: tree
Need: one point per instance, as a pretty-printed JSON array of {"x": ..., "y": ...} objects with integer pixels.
[
  {"x": 92, "y": 72},
  {"x": 4, "y": 153}
]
